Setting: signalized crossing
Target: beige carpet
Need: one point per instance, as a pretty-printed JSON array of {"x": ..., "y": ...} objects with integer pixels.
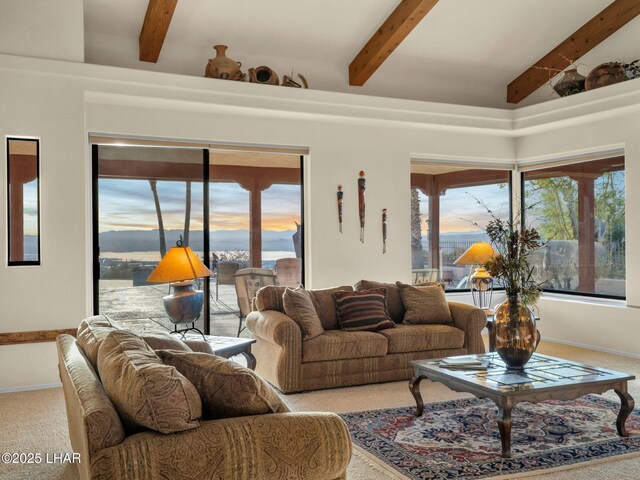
[{"x": 35, "y": 421}]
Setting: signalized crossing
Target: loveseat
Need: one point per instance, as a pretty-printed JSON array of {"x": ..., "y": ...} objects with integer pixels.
[
  {"x": 338, "y": 358},
  {"x": 267, "y": 446}
]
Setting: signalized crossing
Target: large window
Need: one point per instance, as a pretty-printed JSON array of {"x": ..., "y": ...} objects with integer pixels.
[
  {"x": 450, "y": 208},
  {"x": 579, "y": 211},
  {"x": 235, "y": 209}
]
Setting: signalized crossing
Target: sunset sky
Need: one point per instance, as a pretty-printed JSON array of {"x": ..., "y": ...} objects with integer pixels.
[
  {"x": 459, "y": 210},
  {"x": 129, "y": 205}
]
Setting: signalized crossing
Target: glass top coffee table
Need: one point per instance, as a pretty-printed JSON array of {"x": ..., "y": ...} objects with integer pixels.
[{"x": 543, "y": 378}]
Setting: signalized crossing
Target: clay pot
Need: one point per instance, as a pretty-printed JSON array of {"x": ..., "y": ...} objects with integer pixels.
[
  {"x": 572, "y": 82},
  {"x": 605, "y": 74},
  {"x": 223, "y": 67},
  {"x": 263, "y": 75}
]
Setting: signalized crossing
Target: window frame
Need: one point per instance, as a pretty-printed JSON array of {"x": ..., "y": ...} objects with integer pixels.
[
  {"x": 510, "y": 172},
  {"x": 572, "y": 293},
  {"x": 23, "y": 263}
]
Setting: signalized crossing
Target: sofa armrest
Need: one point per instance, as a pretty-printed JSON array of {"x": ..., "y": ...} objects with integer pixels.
[
  {"x": 274, "y": 327},
  {"x": 471, "y": 320},
  {"x": 278, "y": 349},
  {"x": 305, "y": 446}
]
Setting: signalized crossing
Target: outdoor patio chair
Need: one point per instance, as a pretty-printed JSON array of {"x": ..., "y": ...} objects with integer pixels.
[
  {"x": 224, "y": 274},
  {"x": 289, "y": 271},
  {"x": 248, "y": 281}
]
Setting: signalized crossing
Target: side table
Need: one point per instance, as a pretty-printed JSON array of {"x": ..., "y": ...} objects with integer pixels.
[
  {"x": 227, "y": 347},
  {"x": 492, "y": 334}
]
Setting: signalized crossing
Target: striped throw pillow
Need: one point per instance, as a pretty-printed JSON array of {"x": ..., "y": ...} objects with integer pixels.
[{"x": 365, "y": 310}]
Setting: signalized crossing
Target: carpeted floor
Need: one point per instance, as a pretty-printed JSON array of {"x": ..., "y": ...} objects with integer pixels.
[{"x": 35, "y": 421}]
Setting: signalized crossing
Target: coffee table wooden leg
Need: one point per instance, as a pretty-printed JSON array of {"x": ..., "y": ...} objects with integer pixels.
[
  {"x": 414, "y": 387},
  {"x": 626, "y": 407},
  {"x": 504, "y": 425}
]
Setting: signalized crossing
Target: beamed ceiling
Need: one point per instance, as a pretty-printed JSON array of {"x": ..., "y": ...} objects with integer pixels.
[{"x": 486, "y": 53}]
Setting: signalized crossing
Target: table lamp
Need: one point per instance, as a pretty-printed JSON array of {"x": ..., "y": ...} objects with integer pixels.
[
  {"x": 481, "y": 282},
  {"x": 179, "y": 267}
]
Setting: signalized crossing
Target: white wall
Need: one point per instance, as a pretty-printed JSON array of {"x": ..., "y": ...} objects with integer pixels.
[
  {"x": 604, "y": 325},
  {"x": 43, "y": 29},
  {"x": 62, "y": 103}
]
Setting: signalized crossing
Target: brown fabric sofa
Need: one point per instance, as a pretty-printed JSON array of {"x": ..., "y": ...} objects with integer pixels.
[
  {"x": 339, "y": 358},
  {"x": 271, "y": 446}
]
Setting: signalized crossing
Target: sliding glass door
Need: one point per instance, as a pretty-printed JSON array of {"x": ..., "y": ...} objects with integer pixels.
[{"x": 236, "y": 210}]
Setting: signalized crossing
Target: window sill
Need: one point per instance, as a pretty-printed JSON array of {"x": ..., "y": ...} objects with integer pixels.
[{"x": 565, "y": 297}]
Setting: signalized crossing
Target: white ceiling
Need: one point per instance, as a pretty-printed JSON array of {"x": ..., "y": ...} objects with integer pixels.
[{"x": 464, "y": 51}]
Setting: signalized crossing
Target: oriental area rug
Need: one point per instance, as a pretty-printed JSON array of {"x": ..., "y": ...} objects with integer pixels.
[{"x": 460, "y": 439}]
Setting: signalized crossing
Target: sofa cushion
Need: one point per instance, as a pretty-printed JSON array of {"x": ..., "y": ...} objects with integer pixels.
[
  {"x": 91, "y": 332},
  {"x": 395, "y": 305},
  {"x": 145, "y": 392},
  {"x": 326, "y": 305},
  {"x": 341, "y": 345},
  {"x": 226, "y": 388},
  {"x": 270, "y": 298},
  {"x": 299, "y": 306},
  {"x": 425, "y": 305},
  {"x": 165, "y": 341},
  {"x": 418, "y": 338},
  {"x": 365, "y": 310}
]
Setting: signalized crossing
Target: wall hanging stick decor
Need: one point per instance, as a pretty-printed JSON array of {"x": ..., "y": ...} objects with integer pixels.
[
  {"x": 384, "y": 230},
  {"x": 361, "y": 188},
  {"x": 340, "y": 194}
]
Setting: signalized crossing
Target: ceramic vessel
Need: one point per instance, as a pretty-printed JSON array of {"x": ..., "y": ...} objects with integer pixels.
[
  {"x": 570, "y": 83},
  {"x": 515, "y": 333},
  {"x": 263, "y": 75},
  {"x": 223, "y": 67},
  {"x": 605, "y": 74}
]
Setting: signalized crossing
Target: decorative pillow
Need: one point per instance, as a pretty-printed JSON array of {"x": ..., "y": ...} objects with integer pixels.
[
  {"x": 270, "y": 298},
  {"x": 299, "y": 306},
  {"x": 325, "y": 305},
  {"x": 395, "y": 305},
  {"x": 430, "y": 284},
  {"x": 91, "y": 332},
  {"x": 365, "y": 310},
  {"x": 164, "y": 341},
  {"x": 226, "y": 388},
  {"x": 425, "y": 305},
  {"x": 145, "y": 392}
]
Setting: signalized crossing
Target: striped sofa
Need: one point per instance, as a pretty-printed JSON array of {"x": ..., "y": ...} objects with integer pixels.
[{"x": 340, "y": 358}]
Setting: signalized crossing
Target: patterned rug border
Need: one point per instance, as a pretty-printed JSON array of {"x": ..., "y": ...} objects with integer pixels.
[{"x": 632, "y": 448}]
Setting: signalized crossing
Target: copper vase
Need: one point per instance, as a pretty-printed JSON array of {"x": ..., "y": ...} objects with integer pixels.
[
  {"x": 515, "y": 333},
  {"x": 223, "y": 67}
]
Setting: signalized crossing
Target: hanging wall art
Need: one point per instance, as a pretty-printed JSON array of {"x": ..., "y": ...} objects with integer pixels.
[
  {"x": 384, "y": 230},
  {"x": 340, "y": 194},
  {"x": 361, "y": 188}
]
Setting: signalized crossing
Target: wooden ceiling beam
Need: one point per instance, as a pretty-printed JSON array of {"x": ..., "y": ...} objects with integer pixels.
[
  {"x": 155, "y": 27},
  {"x": 382, "y": 44},
  {"x": 592, "y": 33}
]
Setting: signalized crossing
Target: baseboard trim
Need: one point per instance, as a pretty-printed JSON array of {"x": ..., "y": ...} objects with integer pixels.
[
  {"x": 28, "y": 388},
  {"x": 593, "y": 347}
]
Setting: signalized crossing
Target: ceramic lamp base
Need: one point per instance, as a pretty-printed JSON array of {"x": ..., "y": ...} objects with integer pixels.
[{"x": 185, "y": 303}]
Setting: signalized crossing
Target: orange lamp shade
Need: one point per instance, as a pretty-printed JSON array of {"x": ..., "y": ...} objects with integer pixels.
[
  {"x": 477, "y": 254},
  {"x": 179, "y": 263}
]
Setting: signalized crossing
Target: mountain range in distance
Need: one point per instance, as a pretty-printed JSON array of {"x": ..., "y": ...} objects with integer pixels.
[{"x": 148, "y": 240}]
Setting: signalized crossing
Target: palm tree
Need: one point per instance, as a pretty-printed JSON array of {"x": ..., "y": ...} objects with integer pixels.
[
  {"x": 163, "y": 243},
  {"x": 187, "y": 214}
]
